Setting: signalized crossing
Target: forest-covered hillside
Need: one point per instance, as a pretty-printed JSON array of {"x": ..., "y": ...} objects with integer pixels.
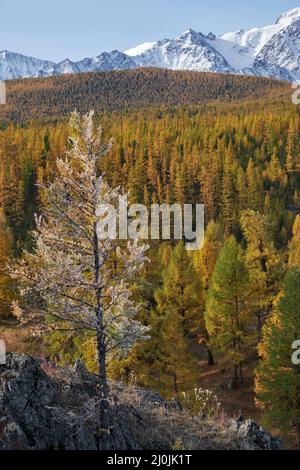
[
  {"x": 134, "y": 89},
  {"x": 231, "y": 143}
]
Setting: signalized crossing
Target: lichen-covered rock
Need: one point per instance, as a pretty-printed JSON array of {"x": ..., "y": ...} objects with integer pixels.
[
  {"x": 251, "y": 436},
  {"x": 35, "y": 413},
  {"x": 84, "y": 377},
  {"x": 25, "y": 393},
  {"x": 60, "y": 409}
]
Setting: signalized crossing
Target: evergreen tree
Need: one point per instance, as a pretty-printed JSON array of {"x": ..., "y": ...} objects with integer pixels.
[
  {"x": 252, "y": 186},
  {"x": 274, "y": 169},
  {"x": 228, "y": 308},
  {"x": 179, "y": 309},
  {"x": 6, "y": 286},
  {"x": 178, "y": 366},
  {"x": 263, "y": 262},
  {"x": 227, "y": 201},
  {"x": 204, "y": 262},
  {"x": 294, "y": 246},
  {"x": 181, "y": 290},
  {"x": 277, "y": 378}
]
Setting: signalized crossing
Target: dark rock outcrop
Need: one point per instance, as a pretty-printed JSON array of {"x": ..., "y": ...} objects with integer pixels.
[
  {"x": 35, "y": 413},
  {"x": 251, "y": 436},
  {"x": 60, "y": 410}
]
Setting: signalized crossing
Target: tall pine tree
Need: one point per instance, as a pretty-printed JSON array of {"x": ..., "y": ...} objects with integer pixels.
[
  {"x": 229, "y": 310},
  {"x": 277, "y": 378}
]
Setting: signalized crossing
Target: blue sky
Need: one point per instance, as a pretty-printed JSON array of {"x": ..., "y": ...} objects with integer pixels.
[{"x": 57, "y": 29}]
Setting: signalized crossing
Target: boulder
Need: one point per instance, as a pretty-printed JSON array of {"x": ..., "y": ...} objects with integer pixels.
[
  {"x": 35, "y": 413},
  {"x": 251, "y": 436}
]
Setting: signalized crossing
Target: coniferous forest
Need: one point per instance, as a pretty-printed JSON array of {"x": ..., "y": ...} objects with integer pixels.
[{"x": 224, "y": 317}]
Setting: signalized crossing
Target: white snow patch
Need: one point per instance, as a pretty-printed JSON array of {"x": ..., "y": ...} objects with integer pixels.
[
  {"x": 140, "y": 49},
  {"x": 256, "y": 38},
  {"x": 237, "y": 56}
]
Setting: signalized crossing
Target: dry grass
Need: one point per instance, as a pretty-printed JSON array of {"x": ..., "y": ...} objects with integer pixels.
[
  {"x": 16, "y": 339},
  {"x": 235, "y": 402},
  {"x": 175, "y": 429}
]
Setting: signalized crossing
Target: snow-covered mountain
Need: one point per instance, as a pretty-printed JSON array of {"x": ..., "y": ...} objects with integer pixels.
[
  {"x": 14, "y": 65},
  {"x": 272, "y": 51},
  {"x": 190, "y": 51}
]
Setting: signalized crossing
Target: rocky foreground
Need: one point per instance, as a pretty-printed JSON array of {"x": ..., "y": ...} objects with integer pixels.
[{"x": 44, "y": 407}]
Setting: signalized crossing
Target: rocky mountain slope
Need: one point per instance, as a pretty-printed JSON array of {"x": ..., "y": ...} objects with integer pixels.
[
  {"x": 44, "y": 407},
  {"x": 271, "y": 51}
]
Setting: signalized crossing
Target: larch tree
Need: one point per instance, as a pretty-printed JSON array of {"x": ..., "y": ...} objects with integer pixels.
[
  {"x": 209, "y": 184},
  {"x": 70, "y": 277},
  {"x": 252, "y": 186},
  {"x": 181, "y": 289},
  {"x": 263, "y": 263},
  {"x": 204, "y": 262},
  {"x": 177, "y": 363},
  {"x": 294, "y": 246},
  {"x": 227, "y": 199},
  {"x": 274, "y": 169},
  {"x": 277, "y": 377},
  {"x": 178, "y": 313},
  {"x": 6, "y": 287},
  {"x": 228, "y": 308}
]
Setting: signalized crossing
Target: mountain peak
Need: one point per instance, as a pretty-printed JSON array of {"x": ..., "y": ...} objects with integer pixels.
[
  {"x": 289, "y": 16},
  {"x": 5, "y": 53},
  {"x": 272, "y": 51},
  {"x": 211, "y": 36},
  {"x": 189, "y": 33}
]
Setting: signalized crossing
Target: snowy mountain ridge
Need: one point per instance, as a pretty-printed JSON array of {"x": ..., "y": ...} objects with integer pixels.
[{"x": 271, "y": 51}]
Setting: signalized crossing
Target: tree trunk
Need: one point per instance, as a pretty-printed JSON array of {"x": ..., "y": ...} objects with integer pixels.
[
  {"x": 259, "y": 325},
  {"x": 101, "y": 344},
  {"x": 210, "y": 357},
  {"x": 175, "y": 384},
  {"x": 101, "y": 349},
  {"x": 241, "y": 373},
  {"x": 298, "y": 432}
]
